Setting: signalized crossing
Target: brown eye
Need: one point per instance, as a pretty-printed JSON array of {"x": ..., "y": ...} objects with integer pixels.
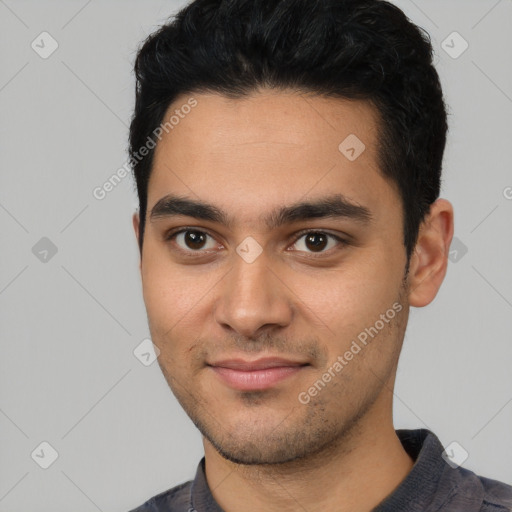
[
  {"x": 192, "y": 240},
  {"x": 316, "y": 241}
]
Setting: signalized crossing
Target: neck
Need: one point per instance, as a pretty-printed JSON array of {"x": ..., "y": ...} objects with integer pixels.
[{"x": 356, "y": 474}]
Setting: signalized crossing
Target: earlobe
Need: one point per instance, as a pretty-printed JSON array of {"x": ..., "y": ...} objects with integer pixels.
[{"x": 429, "y": 260}]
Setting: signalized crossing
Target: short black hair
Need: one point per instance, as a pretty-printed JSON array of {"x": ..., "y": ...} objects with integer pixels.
[{"x": 353, "y": 49}]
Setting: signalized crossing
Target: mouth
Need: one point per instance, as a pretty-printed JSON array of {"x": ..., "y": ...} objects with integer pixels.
[{"x": 255, "y": 375}]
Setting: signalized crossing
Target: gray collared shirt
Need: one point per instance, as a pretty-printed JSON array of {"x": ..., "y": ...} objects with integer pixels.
[{"x": 432, "y": 485}]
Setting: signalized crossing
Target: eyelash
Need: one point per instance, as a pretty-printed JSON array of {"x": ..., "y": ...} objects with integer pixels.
[{"x": 173, "y": 234}]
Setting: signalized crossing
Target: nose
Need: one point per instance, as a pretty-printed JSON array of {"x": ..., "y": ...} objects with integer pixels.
[{"x": 252, "y": 298}]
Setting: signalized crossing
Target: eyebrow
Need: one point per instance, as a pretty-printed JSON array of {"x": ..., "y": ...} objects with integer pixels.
[{"x": 333, "y": 206}]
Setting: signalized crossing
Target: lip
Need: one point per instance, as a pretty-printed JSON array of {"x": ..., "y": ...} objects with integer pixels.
[{"x": 255, "y": 375}]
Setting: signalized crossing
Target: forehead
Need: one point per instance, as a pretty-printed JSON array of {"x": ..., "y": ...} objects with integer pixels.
[{"x": 268, "y": 149}]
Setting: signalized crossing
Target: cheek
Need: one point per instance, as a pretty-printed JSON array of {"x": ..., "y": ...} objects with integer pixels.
[
  {"x": 173, "y": 316},
  {"x": 174, "y": 296},
  {"x": 343, "y": 302}
]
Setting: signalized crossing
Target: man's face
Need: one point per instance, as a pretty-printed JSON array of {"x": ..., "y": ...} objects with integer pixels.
[{"x": 249, "y": 311}]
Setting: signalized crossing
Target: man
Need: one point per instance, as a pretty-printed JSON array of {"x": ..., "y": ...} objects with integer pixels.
[{"x": 288, "y": 155}]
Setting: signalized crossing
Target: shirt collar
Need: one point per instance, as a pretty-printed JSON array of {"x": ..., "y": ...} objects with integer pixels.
[
  {"x": 422, "y": 446},
  {"x": 422, "y": 481}
]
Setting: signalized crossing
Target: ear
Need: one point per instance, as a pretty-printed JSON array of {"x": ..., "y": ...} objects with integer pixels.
[
  {"x": 429, "y": 259},
  {"x": 136, "y": 224}
]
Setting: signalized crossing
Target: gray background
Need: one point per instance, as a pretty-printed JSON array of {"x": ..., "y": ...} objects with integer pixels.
[{"x": 69, "y": 324}]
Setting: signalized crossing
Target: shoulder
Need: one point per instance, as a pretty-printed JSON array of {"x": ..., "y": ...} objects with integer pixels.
[
  {"x": 176, "y": 499},
  {"x": 496, "y": 494},
  {"x": 445, "y": 486},
  {"x": 470, "y": 488}
]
